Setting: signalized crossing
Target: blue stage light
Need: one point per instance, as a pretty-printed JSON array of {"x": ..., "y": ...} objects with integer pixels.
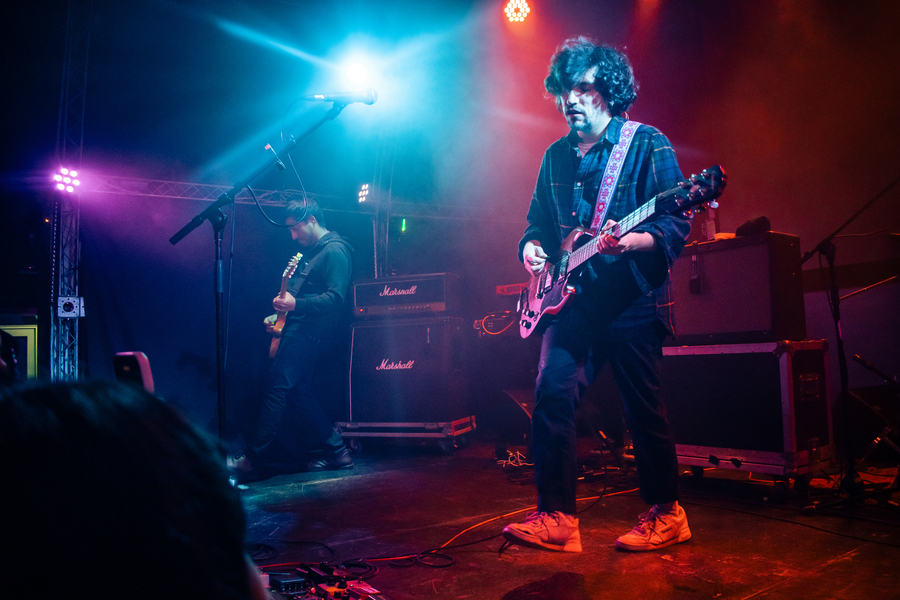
[{"x": 357, "y": 74}]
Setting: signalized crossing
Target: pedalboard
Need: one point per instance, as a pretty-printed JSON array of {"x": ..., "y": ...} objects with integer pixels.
[{"x": 320, "y": 582}]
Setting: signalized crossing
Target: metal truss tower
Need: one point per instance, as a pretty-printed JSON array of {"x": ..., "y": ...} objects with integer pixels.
[{"x": 66, "y": 306}]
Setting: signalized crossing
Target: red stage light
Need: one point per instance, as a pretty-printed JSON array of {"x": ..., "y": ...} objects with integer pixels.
[{"x": 517, "y": 10}]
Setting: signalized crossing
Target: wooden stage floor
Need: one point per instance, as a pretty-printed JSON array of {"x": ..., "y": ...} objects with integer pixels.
[{"x": 751, "y": 536}]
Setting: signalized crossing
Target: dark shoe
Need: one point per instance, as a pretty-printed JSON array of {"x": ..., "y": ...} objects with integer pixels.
[
  {"x": 238, "y": 463},
  {"x": 331, "y": 461},
  {"x": 243, "y": 471}
]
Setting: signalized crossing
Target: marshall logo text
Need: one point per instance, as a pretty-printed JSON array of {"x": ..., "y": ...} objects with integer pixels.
[
  {"x": 388, "y": 366},
  {"x": 398, "y": 292}
]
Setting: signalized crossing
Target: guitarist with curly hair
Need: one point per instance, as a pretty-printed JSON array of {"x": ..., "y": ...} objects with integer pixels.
[{"x": 606, "y": 168}]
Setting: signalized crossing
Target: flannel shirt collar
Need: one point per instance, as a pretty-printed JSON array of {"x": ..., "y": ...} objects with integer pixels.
[{"x": 610, "y": 135}]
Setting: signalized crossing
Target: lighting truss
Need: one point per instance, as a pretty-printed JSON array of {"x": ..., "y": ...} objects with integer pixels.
[{"x": 69, "y": 141}]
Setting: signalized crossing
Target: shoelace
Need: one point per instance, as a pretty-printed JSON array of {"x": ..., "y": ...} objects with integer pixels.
[
  {"x": 541, "y": 518},
  {"x": 645, "y": 519}
]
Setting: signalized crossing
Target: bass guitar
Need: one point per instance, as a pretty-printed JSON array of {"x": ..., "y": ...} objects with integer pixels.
[
  {"x": 547, "y": 292},
  {"x": 282, "y": 316}
]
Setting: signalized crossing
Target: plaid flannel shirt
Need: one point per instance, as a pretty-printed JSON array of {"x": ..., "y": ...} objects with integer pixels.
[{"x": 565, "y": 197}]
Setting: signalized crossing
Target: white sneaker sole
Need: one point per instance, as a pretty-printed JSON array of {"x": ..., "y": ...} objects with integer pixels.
[
  {"x": 516, "y": 537},
  {"x": 684, "y": 536}
]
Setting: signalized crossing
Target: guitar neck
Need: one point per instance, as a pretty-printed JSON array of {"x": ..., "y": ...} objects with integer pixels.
[
  {"x": 643, "y": 213},
  {"x": 288, "y": 273},
  {"x": 697, "y": 190}
]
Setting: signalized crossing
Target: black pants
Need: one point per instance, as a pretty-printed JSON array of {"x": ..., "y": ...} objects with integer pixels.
[
  {"x": 291, "y": 420},
  {"x": 573, "y": 350}
]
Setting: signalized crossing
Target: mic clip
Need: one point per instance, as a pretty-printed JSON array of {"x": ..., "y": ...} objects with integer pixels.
[{"x": 277, "y": 158}]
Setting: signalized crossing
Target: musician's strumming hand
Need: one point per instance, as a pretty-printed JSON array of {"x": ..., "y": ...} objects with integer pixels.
[
  {"x": 630, "y": 242},
  {"x": 269, "y": 322},
  {"x": 534, "y": 257},
  {"x": 286, "y": 304}
]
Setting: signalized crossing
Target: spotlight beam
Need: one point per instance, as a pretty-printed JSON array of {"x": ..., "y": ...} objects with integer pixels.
[
  {"x": 213, "y": 209},
  {"x": 263, "y": 40}
]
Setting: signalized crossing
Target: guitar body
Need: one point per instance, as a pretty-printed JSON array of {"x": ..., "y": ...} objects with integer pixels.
[
  {"x": 549, "y": 290},
  {"x": 276, "y": 333},
  {"x": 281, "y": 317}
]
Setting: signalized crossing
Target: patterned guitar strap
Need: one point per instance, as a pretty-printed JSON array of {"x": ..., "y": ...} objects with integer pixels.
[{"x": 611, "y": 174}]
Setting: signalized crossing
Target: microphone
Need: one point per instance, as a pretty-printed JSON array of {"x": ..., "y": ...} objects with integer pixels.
[{"x": 366, "y": 96}]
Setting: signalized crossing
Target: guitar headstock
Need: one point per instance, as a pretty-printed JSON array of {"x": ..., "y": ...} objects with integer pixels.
[
  {"x": 291, "y": 267},
  {"x": 696, "y": 193}
]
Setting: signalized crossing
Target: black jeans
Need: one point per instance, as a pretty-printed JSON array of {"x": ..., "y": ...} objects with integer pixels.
[
  {"x": 574, "y": 349},
  {"x": 291, "y": 421}
]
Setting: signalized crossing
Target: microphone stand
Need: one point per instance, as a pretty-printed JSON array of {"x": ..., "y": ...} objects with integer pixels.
[
  {"x": 850, "y": 481},
  {"x": 217, "y": 219}
]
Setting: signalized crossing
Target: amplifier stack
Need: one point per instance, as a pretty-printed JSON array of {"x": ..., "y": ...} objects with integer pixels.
[
  {"x": 406, "y": 364},
  {"x": 743, "y": 388}
]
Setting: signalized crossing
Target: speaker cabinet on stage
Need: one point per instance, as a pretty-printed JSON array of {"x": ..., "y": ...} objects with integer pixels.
[
  {"x": 738, "y": 291},
  {"x": 754, "y": 407},
  {"x": 408, "y": 371}
]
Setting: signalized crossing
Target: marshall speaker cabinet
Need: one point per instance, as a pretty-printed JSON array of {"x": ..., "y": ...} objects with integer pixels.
[
  {"x": 754, "y": 407},
  {"x": 407, "y": 371},
  {"x": 736, "y": 291}
]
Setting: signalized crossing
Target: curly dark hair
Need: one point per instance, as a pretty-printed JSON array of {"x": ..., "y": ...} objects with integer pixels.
[{"x": 578, "y": 55}]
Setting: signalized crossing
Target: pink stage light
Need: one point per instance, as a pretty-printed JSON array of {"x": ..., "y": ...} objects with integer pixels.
[{"x": 65, "y": 180}]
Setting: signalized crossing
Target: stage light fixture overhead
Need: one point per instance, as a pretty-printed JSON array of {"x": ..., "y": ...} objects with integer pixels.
[
  {"x": 517, "y": 10},
  {"x": 363, "y": 192},
  {"x": 66, "y": 180}
]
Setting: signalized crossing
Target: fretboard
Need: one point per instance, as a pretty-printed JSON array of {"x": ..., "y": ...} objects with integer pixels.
[{"x": 644, "y": 212}]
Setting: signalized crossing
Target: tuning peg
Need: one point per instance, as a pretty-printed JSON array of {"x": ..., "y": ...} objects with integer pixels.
[{"x": 714, "y": 205}]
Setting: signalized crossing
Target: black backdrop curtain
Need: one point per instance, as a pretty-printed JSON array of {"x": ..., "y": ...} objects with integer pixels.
[{"x": 144, "y": 294}]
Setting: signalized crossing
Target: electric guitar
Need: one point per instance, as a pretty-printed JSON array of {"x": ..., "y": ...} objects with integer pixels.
[
  {"x": 547, "y": 292},
  {"x": 282, "y": 316}
]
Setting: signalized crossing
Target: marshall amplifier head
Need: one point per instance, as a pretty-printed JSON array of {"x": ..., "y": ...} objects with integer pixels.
[{"x": 410, "y": 295}]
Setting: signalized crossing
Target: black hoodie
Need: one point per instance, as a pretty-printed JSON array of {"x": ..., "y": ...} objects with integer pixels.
[{"x": 322, "y": 295}]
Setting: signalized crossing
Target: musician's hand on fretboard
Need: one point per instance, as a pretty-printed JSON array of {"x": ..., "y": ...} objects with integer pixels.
[{"x": 286, "y": 304}]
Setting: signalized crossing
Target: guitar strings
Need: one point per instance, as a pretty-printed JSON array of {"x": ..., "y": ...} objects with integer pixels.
[{"x": 628, "y": 223}]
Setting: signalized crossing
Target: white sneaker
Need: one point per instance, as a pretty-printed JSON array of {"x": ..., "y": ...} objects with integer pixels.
[
  {"x": 656, "y": 530},
  {"x": 554, "y": 531}
]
